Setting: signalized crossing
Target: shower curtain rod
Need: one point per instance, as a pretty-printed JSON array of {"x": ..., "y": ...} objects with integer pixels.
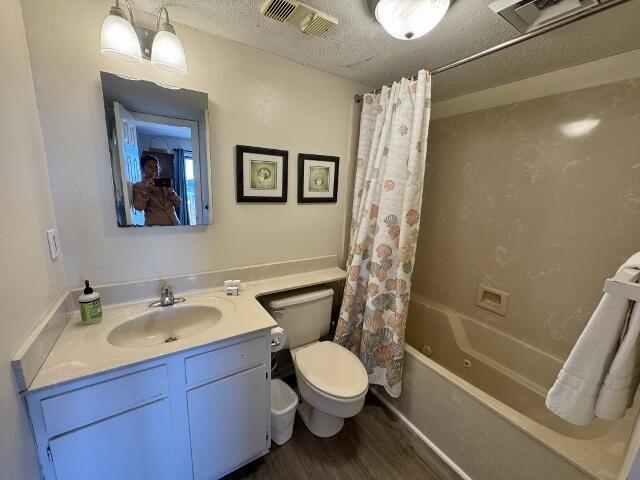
[{"x": 514, "y": 41}]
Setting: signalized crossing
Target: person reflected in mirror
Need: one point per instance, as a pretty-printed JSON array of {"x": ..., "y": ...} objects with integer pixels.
[{"x": 155, "y": 196}]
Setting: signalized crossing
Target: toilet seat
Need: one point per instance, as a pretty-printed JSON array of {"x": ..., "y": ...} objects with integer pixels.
[{"x": 332, "y": 369}]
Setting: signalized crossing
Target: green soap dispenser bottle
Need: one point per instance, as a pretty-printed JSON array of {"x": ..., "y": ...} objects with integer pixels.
[{"x": 90, "y": 305}]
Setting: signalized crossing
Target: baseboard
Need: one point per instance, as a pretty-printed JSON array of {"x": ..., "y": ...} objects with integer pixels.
[{"x": 454, "y": 466}]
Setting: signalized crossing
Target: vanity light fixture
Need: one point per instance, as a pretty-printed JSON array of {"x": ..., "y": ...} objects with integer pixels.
[
  {"x": 118, "y": 39},
  {"x": 122, "y": 39},
  {"x": 167, "y": 53},
  {"x": 409, "y": 19}
]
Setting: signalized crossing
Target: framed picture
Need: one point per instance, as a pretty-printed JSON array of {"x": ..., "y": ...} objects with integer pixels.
[
  {"x": 317, "y": 178},
  {"x": 261, "y": 174}
]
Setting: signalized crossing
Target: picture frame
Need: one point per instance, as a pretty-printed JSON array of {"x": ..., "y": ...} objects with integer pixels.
[
  {"x": 318, "y": 178},
  {"x": 261, "y": 174}
]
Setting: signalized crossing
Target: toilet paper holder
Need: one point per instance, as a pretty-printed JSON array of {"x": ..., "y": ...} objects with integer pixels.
[{"x": 278, "y": 339}]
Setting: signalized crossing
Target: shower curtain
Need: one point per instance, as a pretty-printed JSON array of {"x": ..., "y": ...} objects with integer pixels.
[{"x": 384, "y": 227}]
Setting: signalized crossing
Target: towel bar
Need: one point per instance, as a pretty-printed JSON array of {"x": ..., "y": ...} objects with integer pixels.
[{"x": 622, "y": 289}]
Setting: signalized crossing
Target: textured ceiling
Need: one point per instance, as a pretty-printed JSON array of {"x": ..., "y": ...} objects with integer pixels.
[{"x": 360, "y": 50}]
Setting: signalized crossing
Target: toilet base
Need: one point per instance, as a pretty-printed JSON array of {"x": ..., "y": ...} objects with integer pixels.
[{"x": 319, "y": 423}]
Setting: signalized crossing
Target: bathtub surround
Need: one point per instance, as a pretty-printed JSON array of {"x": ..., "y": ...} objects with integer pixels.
[
  {"x": 384, "y": 227},
  {"x": 511, "y": 194},
  {"x": 479, "y": 445},
  {"x": 255, "y": 99},
  {"x": 510, "y": 199},
  {"x": 508, "y": 377},
  {"x": 600, "y": 377}
]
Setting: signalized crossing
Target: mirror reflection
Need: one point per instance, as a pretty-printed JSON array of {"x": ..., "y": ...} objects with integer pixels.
[{"x": 158, "y": 141}]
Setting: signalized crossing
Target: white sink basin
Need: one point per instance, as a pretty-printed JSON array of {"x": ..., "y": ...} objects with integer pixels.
[{"x": 164, "y": 325}]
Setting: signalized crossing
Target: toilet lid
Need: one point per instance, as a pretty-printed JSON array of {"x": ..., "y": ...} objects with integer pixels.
[{"x": 332, "y": 369}]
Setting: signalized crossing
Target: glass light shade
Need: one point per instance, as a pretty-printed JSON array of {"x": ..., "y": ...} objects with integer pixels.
[
  {"x": 118, "y": 40},
  {"x": 410, "y": 19},
  {"x": 166, "y": 85},
  {"x": 167, "y": 53}
]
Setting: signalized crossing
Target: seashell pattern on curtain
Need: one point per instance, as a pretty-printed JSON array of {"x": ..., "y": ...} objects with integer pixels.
[{"x": 384, "y": 227}]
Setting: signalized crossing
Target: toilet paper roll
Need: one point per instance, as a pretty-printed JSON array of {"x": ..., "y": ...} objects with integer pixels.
[{"x": 278, "y": 339}]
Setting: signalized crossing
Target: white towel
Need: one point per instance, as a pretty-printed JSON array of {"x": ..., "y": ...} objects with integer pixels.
[
  {"x": 601, "y": 372},
  {"x": 621, "y": 382}
]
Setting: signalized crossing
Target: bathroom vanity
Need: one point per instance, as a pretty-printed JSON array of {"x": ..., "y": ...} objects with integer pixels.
[
  {"x": 118, "y": 400},
  {"x": 198, "y": 414}
]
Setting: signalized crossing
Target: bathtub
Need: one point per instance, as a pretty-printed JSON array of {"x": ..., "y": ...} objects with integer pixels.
[{"x": 476, "y": 395}]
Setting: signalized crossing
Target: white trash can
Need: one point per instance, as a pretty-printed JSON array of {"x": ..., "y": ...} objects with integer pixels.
[{"x": 283, "y": 411}]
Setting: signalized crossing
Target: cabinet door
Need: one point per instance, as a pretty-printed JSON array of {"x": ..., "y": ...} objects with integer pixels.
[
  {"x": 228, "y": 422},
  {"x": 137, "y": 444}
]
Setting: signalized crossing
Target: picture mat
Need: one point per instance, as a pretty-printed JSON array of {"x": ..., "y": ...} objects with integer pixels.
[
  {"x": 247, "y": 157},
  {"x": 318, "y": 163}
]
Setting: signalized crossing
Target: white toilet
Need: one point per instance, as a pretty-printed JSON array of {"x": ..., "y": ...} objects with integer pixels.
[{"x": 332, "y": 381}]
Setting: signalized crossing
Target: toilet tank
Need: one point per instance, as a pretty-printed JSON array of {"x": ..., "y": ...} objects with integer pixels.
[{"x": 304, "y": 315}]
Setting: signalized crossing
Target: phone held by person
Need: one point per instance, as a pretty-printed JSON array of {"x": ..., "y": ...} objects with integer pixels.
[{"x": 162, "y": 182}]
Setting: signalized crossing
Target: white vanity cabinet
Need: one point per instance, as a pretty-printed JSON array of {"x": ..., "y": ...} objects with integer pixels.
[
  {"x": 196, "y": 414},
  {"x": 134, "y": 444},
  {"x": 227, "y": 425}
]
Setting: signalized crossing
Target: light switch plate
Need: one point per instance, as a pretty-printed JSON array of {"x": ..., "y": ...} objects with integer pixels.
[{"x": 52, "y": 238}]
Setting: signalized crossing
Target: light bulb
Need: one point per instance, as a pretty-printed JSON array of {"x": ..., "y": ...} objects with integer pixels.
[{"x": 410, "y": 19}]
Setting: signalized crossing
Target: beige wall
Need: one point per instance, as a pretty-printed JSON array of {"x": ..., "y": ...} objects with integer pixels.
[
  {"x": 514, "y": 202},
  {"x": 255, "y": 99},
  {"x": 29, "y": 282}
]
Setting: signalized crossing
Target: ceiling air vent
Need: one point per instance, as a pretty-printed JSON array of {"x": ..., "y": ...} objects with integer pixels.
[
  {"x": 278, "y": 10},
  {"x": 529, "y": 15},
  {"x": 308, "y": 19}
]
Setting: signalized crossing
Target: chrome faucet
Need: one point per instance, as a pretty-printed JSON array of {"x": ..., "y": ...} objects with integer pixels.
[{"x": 167, "y": 298}]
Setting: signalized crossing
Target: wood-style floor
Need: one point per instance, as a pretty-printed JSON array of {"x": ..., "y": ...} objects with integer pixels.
[{"x": 372, "y": 445}]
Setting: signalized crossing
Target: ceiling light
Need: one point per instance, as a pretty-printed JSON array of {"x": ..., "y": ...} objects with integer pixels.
[
  {"x": 118, "y": 38},
  {"x": 410, "y": 19},
  {"x": 167, "y": 53}
]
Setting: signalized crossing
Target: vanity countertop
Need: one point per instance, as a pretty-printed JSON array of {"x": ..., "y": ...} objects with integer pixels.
[{"x": 82, "y": 350}]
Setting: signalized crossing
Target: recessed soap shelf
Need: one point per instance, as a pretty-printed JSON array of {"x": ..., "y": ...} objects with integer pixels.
[{"x": 491, "y": 299}]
